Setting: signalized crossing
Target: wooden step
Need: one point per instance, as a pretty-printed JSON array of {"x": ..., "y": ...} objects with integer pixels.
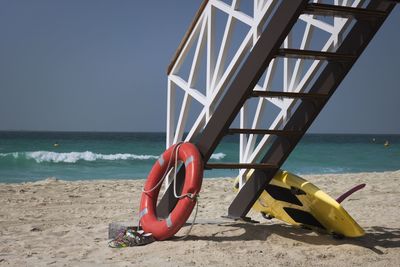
[
  {"x": 288, "y": 95},
  {"x": 342, "y": 11},
  {"x": 316, "y": 55},
  {"x": 261, "y": 166},
  {"x": 264, "y": 131}
]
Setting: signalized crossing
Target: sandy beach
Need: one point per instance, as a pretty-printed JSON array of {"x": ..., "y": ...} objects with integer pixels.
[{"x": 60, "y": 223}]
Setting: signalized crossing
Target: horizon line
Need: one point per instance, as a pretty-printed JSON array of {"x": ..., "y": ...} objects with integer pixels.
[{"x": 163, "y": 132}]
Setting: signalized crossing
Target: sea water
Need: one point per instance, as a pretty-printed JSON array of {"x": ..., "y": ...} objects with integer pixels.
[{"x": 31, "y": 156}]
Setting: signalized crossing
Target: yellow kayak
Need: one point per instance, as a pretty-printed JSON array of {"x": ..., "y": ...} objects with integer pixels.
[{"x": 296, "y": 201}]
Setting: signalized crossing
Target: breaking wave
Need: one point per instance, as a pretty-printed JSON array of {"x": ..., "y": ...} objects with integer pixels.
[
  {"x": 73, "y": 157},
  {"x": 218, "y": 156}
]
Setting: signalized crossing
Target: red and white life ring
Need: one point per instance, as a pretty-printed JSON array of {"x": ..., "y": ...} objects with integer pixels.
[{"x": 163, "y": 229}]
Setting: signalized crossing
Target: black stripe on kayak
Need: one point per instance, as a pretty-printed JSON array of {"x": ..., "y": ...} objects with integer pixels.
[
  {"x": 282, "y": 194},
  {"x": 303, "y": 217}
]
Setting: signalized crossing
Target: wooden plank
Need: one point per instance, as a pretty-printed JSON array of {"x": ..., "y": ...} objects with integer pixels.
[
  {"x": 342, "y": 11},
  {"x": 288, "y": 94},
  {"x": 315, "y": 55},
  {"x": 264, "y": 131},
  {"x": 258, "y": 166}
]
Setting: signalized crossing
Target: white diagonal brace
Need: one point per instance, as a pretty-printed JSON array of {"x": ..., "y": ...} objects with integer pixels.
[
  {"x": 234, "y": 13},
  {"x": 191, "y": 91}
]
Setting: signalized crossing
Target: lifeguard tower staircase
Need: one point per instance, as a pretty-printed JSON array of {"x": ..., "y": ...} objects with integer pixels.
[{"x": 268, "y": 67}]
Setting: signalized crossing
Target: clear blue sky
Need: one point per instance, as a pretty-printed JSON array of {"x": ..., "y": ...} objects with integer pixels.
[{"x": 82, "y": 65}]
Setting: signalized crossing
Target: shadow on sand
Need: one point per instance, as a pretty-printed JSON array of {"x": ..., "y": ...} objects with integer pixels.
[{"x": 374, "y": 238}]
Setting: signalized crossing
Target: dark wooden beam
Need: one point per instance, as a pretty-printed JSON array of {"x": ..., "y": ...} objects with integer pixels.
[
  {"x": 333, "y": 74},
  {"x": 281, "y": 22},
  {"x": 247, "y": 77}
]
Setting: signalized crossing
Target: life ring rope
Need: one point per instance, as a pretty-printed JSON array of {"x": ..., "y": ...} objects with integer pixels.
[
  {"x": 161, "y": 162},
  {"x": 187, "y": 162},
  {"x": 192, "y": 160}
]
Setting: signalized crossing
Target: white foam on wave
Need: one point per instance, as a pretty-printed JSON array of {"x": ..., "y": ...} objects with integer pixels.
[
  {"x": 218, "y": 156},
  {"x": 13, "y": 154},
  {"x": 73, "y": 157}
]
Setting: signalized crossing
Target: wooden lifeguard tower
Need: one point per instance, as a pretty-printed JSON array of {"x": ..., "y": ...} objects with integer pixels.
[{"x": 281, "y": 59}]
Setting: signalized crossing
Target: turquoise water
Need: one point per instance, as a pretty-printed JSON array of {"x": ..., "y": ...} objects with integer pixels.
[{"x": 31, "y": 156}]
